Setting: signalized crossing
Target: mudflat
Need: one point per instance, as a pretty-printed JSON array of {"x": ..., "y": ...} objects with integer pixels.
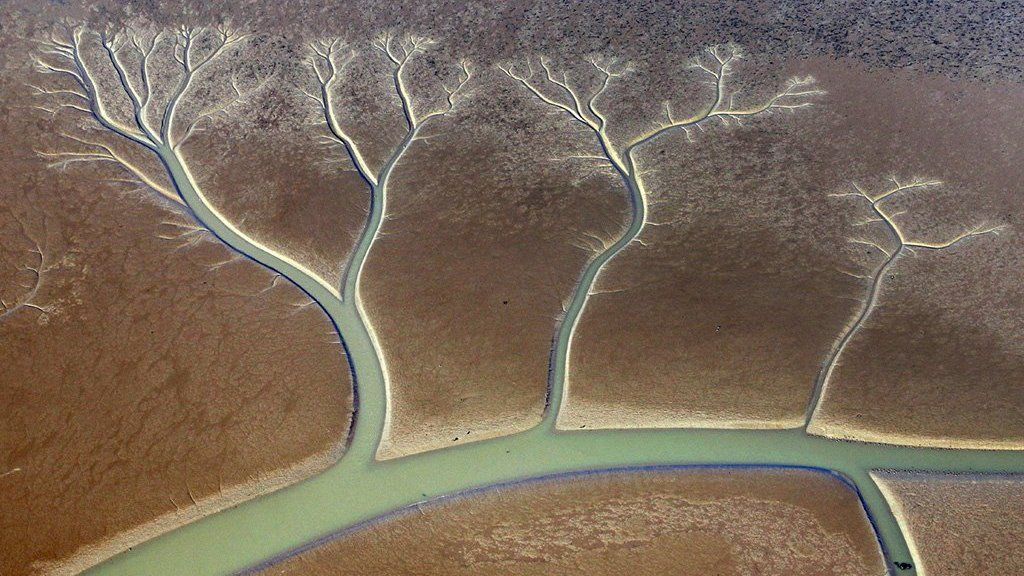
[
  {"x": 150, "y": 376},
  {"x": 959, "y": 523},
  {"x": 762, "y": 253},
  {"x": 728, "y": 522}
]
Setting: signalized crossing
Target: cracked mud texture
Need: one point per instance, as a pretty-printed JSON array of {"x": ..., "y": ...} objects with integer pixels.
[
  {"x": 959, "y": 524},
  {"x": 147, "y": 381},
  {"x": 727, "y": 522}
]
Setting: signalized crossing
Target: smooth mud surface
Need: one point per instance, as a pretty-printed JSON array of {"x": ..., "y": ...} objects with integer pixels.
[
  {"x": 683, "y": 522},
  {"x": 935, "y": 361},
  {"x": 466, "y": 281}
]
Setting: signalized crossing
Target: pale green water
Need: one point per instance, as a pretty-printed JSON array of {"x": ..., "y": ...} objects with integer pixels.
[{"x": 360, "y": 488}]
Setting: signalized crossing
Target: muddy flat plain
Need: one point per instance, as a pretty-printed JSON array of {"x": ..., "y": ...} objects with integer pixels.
[
  {"x": 510, "y": 223},
  {"x": 726, "y": 522},
  {"x": 945, "y": 514},
  {"x": 748, "y": 270},
  {"x": 757, "y": 261},
  {"x": 150, "y": 376}
]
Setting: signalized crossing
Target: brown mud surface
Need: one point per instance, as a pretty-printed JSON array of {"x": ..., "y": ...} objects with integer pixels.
[
  {"x": 940, "y": 359},
  {"x": 724, "y": 314},
  {"x": 148, "y": 375},
  {"x": 959, "y": 524},
  {"x": 721, "y": 317},
  {"x": 724, "y": 522}
]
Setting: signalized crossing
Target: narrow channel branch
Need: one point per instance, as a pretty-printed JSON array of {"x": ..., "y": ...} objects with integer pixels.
[
  {"x": 62, "y": 56},
  {"x": 185, "y": 234},
  {"x": 899, "y": 244},
  {"x": 192, "y": 61},
  {"x": 400, "y": 50},
  {"x": 161, "y": 118},
  {"x": 37, "y": 270},
  {"x": 719, "y": 63},
  {"x": 131, "y": 56},
  {"x": 328, "y": 61},
  {"x": 204, "y": 118},
  {"x": 99, "y": 152},
  {"x": 554, "y": 89}
]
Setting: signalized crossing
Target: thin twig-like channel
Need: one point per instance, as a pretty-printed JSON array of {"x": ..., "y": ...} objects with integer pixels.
[{"x": 360, "y": 487}]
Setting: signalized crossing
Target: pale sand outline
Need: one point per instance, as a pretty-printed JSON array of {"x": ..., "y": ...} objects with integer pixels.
[{"x": 90, "y": 555}]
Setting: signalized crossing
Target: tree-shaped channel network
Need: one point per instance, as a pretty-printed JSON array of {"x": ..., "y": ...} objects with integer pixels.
[
  {"x": 146, "y": 104},
  {"x": 900, "y": 245},
  {"x": 555, "y": 90}
]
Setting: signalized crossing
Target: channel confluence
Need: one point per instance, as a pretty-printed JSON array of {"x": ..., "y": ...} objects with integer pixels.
[
  {"x": 328, "y": 61},
  {"x": 360, "y": 487}
]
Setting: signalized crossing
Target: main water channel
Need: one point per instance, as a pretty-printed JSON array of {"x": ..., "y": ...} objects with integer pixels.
[{"x": 360, "y": 488}]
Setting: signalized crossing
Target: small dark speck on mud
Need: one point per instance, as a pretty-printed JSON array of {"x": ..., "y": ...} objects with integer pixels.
[
  {"x": 505, "y": 302},
  {"x": 718, "y": 328}
]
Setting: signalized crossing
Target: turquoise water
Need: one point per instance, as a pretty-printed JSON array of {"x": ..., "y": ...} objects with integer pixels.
[{"x": 360, "y": 488}]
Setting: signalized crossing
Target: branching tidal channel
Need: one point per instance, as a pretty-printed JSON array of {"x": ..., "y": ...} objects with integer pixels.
[{"x": 361, "y": 487}]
